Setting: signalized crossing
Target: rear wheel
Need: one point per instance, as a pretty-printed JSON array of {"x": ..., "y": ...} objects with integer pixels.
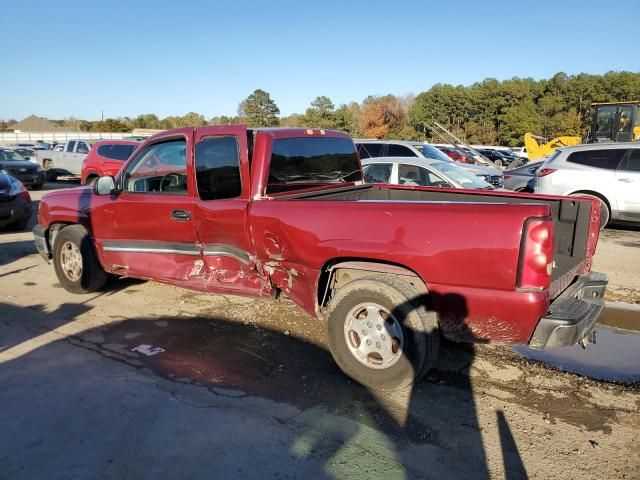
[
  {"x": 50, "y": 173},
  {"x": 380, "y": 334},
  {"x": 605, "y": 212},
  {"x": 75, "y": 261}
]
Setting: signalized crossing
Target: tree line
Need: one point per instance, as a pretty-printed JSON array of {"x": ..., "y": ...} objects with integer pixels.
[{"x": 487, "y": 112}]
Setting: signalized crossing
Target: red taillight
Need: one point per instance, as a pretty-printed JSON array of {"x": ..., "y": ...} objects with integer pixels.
[
  {"x": 543, "y": 172},
  {"x": 507, "y": 176},
  {"x": 536, "y": 254}
]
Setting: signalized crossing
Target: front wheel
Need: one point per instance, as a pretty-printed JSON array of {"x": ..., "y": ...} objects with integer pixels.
[
  {"x": 76, "y": 263},
  {"x": 380, "y": 333}
]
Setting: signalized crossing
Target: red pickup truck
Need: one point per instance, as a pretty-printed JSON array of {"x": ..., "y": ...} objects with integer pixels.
[{"x": 389, "y": 268}]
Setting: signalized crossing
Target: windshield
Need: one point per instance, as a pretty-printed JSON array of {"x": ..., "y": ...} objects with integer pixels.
[
  {"x": 11, "y": 156},
  {"x": 461, "y": 176},
  {"x": 430, "y": 151},
  {"x": 312, "y": 160}
]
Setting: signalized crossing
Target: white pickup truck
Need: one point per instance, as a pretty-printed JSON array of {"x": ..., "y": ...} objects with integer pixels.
[{"x": 67, "y": 161}]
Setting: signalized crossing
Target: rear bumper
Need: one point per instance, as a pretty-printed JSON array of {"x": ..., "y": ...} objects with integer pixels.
[
  {"x": 573, "y": 314},
  {"x": 40, "y": 239}
]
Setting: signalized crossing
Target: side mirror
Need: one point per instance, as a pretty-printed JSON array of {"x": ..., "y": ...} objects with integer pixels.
[{"x": 104, "y": 186}]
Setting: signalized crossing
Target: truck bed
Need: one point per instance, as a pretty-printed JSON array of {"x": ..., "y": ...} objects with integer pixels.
[{"x": 571, "y": 217}]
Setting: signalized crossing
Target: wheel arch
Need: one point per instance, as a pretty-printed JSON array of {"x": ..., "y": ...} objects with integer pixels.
[
  {"x": 54, "y": 229},
  {"x": 340, "y": 271},
  {"x": 88, "y": 175}
]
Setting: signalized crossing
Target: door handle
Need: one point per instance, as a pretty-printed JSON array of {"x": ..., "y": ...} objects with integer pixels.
[
  {"x": 625, "y": 180},
  {"x": 181, "y": 215}
]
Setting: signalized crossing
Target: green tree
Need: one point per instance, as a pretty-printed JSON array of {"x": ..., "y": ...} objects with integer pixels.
[
  {"x": 109, "y": 125},
  {"x": 224, "y": 120},
  {"x": 148, "y": 120},
  {"x": 321, "y": 114},
  {"x": 518, "y": 120},
  {"x": 259, "y": 110}
]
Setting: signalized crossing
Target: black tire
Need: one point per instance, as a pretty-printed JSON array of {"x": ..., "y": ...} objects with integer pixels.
[
  {"x": 50, "y": 174},
  {"x": 36, "y": 186},
  {"x": 419, "y": 328},
  {"x": 605, "y": 212},
  {"x": 92, "y": 277}
]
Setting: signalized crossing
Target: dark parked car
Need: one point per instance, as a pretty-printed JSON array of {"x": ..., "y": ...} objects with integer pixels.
[
  {"x": 498, "y": 157},
  {"x": 15, "y": 203},
  {"x": 27, "y": 153},
  {"x": 520, "y": 179},
  {"x": 29, "y": 173}
]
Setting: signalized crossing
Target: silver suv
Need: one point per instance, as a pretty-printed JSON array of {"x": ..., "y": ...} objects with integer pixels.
[
  {"x": 608, "y": 172},
  {"x": 403, "y": 148}
]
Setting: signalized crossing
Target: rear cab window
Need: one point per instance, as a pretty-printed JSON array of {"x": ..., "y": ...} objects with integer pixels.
[
  {"x": 606, "y": 159},
  {"x": 306, "y": 162},
  {"x": 116, "y": 152}
]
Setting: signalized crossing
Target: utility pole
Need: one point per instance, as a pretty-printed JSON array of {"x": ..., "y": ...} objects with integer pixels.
[{"x": 102, "y": 115}]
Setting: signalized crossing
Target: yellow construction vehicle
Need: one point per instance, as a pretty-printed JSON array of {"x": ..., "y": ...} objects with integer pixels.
[
  {"x": 610, "y": 122},
  {"x": 614, "y": 122},
  {"x": 538, "y": 147}
]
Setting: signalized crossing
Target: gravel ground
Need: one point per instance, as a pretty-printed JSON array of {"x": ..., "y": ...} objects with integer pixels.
[{"x": 150, "y": 381}]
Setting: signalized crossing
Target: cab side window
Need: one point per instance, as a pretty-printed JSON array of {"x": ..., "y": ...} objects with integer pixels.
[
  {"x": 377, "y": 173},
  {"x": 218, "y": 168},
  {"x": 82, "y": 148},
  {"x": 160, "y": 168},
  {"x": 70, "y": 146}
]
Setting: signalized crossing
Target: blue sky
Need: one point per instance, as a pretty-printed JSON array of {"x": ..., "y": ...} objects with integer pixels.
[{"x": 67, "y": 58}]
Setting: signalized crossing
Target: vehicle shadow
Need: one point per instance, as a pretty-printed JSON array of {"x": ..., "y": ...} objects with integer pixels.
[
  {"x": 12, "y": 251},
  {"x": 320, "y": 424}
]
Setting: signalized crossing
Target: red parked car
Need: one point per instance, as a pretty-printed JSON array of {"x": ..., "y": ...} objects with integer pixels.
[
  {"x": 387, "y": 268},
  {"x": 106, "y": 158},
  {"x": 455, "y": 154}
]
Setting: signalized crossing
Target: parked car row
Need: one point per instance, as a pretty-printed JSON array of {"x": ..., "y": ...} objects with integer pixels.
[
  {"x": 399, "y": 148},
  {"x": 609, "y": 173},
  {"x": 423, "y": 172}
]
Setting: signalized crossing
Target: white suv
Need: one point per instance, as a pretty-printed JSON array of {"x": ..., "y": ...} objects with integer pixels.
[{"x": 609, "y": 172}]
